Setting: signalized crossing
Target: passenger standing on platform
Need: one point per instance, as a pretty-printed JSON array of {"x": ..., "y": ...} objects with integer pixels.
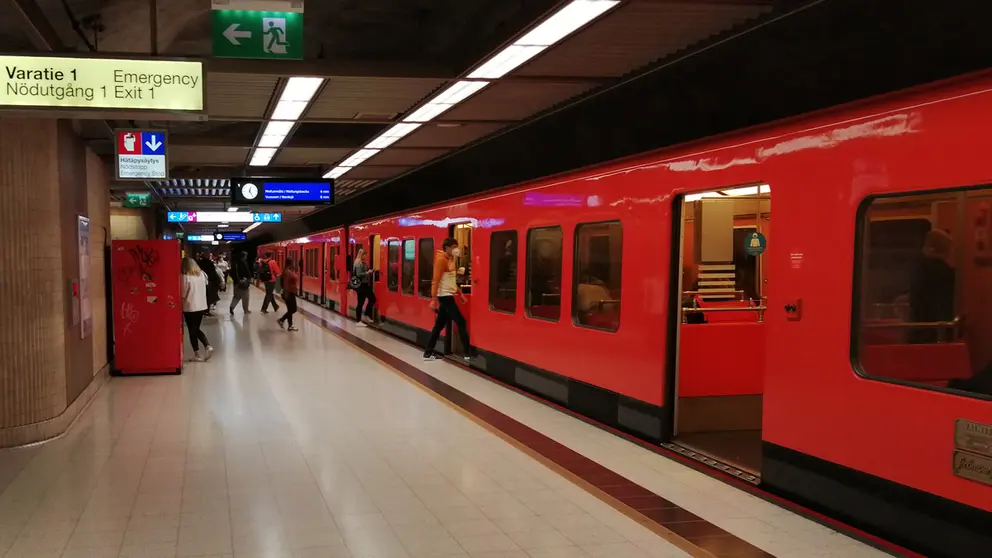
[
  {"x": 290, "y": 286},
  {"x": 213, "y": 282},
  {"x": 242, "y": 284},
  {"x": 444, "y": 287},
  {"x": 363, "y": 271},
  {"x": 268, "y": 274},
  {"x": 194, "y": 291},
  {"x": 223, "y": 270}
]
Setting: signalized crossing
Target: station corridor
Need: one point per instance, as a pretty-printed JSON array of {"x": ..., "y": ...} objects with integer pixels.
[{"x": 303, "y": 445}]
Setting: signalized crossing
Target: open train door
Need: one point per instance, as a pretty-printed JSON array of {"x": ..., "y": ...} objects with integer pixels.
[
  {"x": 717, "y": 372},
  {"x": 462, "y": 232}
]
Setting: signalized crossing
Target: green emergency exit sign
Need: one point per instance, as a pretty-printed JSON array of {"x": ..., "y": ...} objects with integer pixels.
[
  {"x": 252, "y": 34},
  {"x": 138, "y": 199}
]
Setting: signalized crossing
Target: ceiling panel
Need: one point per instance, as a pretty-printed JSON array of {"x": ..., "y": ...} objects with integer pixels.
[
  {"x": 515, "y": 100},
  {"x": 239, "y": 95},
  {"x": 452, "y": 135},
  {"x": 350, "y": 97},
  {"x": 290, "y": 156},
  {"x": 192, "y": 155},
  {"x": 637, "y": 33},
  {"x": 406, "y": 156}
]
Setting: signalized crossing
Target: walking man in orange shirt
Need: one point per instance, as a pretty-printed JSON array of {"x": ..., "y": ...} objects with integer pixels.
[{"x": 444, "y": 287}]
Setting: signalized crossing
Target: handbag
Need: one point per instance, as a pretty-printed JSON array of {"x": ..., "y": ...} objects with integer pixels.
[{"x": 355, "y": 282}]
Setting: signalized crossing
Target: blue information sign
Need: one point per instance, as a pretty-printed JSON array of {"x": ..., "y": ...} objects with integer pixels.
[
  {"x": 279, "y": 191},
  {"x": 754, "y": 243}
]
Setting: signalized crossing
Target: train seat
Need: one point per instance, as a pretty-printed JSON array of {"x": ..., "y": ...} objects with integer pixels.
[{"x": 744, "y": 316}]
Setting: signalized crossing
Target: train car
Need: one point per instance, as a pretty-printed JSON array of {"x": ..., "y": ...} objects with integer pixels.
[{"x": 842, "y": 364}]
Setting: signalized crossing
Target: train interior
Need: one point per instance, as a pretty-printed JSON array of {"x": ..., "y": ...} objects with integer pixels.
[
  {"x": 924, "y": 295},
  {"x": 719, "y": 374}
]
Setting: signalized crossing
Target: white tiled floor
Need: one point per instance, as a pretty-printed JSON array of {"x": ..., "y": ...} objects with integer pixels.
[
  {"x": 297, "y": 445},
  {"x": 764, "y": 525}
]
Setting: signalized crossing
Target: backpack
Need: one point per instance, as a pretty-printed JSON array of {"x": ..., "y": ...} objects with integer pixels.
[{"x": 265, "y": 272}]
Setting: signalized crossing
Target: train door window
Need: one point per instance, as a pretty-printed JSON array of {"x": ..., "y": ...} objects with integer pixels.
[
  {"x": 596, "y": 295},
  {"x": 462, "y": 232},
  {"x": 503, "y": 271},
  {"x": 409, "y": 262},
  {"x": 393, "y": 263},
  {"x": 374, "y": 253},
  {"x": 332, "y": 271},
  {"x": 923, "y": 268},
  {"x": 425, "y": 266},
  {"x": 544, "y": 273}
]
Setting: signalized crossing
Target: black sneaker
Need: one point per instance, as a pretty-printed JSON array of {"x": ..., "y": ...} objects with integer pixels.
[
  {"x": 281, "y": 323},
  {"x": 431, "y": 357}
]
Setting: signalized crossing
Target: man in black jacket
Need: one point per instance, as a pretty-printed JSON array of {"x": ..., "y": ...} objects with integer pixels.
[
  {"x": 213, "y": 281},
  {"x": 242, "y": 283}
]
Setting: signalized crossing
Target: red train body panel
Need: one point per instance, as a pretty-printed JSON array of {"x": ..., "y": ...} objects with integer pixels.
[{"x": 821, "y": 170}]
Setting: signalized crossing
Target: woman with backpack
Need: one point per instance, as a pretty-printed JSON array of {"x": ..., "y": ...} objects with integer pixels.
[
  {"x": 268, "y": 275},
  {"x": 290, "y": 286},
  {"x": 361, "y": 277}
]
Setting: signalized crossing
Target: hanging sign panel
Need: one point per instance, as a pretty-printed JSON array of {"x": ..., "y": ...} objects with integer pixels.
[
  {"x": 141, "y": 155},
  {"x": 281, "y": 191},
  {"x": 101, "y": 83}
]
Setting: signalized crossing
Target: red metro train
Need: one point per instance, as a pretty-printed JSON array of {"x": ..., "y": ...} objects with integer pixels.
[{"x": 841, "y": 363}]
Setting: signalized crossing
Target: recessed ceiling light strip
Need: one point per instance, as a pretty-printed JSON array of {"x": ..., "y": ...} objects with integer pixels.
[
  {"x": 558, "y": 26},
  {"x": 295, "y": 97}
]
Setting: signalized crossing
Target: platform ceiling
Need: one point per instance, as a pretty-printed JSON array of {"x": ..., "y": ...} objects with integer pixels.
[{"x": 382, "y": 59}]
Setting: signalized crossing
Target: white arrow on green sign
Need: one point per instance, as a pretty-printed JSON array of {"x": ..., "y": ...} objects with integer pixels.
[{"x": 251, "y": 34}]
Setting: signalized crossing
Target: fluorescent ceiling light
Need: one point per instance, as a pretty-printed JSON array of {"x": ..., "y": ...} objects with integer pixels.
[
  {"x": 271, "y": 141},
  {"x": 358, "y": 157},
  {"x": 566, "y": 21},
  {"x": 337, "y": 172},
  {"x": 505, "y": 61},
  {"x": 697, "y": 197},
  {"x": 278, "y": 128},
  {"x": 251, "y": 227},
  {"x": 392, "y": 135},
  {"x": 459, "y": 92},
  {"x": 301, "y": 89},
  {"x": 746, "y": 191},
  {"x": 262, "y": 156},
  {"x": 289, "y": 110},
  {"x": 223, "y": 226},
  {"x": 232, "y": 209},
  {"x": 428, "y": 112}
]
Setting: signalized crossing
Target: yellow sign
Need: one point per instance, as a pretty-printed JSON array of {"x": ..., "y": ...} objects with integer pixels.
[{"x": 101, "y": 83}]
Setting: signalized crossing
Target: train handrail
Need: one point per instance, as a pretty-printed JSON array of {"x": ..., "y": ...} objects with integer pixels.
[{"x": 759, "y": 309}]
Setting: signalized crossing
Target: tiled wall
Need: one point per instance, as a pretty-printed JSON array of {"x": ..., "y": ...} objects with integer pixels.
[
  {"x": 98, "y": 191},
  {"x": 32, "y": 343},
  {"x": 130, "y": 224},
  {"x": 47, "y": 178}
]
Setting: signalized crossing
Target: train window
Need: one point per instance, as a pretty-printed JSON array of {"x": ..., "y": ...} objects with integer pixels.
[
  {"x": 333, "y": 271},
  {"x": 425, "y": 266},
  {"x": 393, "y": 271},
  {"x": 503, "y": 271},
  {"x": 544, "y": 273},
  {"x": 596, "y": 288},
  {"x": 409, "y": 261},
  {"x": 921, "y": 290}
]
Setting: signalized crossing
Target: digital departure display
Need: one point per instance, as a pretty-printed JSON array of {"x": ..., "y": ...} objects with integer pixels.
[{"x": 276, "y": 191}]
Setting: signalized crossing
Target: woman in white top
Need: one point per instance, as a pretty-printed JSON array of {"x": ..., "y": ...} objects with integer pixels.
[{"x": 194, "y": 289}]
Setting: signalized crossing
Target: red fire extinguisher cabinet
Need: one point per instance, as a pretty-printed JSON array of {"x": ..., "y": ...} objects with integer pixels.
[{"x": 147, "y": 303}]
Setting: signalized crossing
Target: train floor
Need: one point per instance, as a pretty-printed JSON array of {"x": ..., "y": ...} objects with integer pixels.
[{"x": 338, "y": 441}]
